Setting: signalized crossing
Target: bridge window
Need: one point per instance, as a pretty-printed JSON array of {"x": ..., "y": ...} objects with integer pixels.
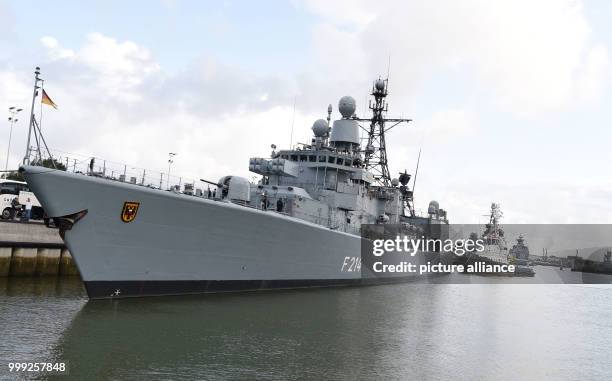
[
  {"x": 284, "y": 157},
  {"x": 322, "y": 159},
  {"x": 302, "y": 157},
  {"x": 331, "y": 159},
  {"x": 293, "y": 157},
  {"x": 312, "y": 158},
  {"x": 347, "y": 163},
  {"x": 340, "y": 161}
]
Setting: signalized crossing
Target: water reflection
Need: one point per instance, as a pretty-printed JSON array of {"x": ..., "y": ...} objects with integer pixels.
[
  {"x": 271, "y": 335},
  {"x": 409, "y": 331},
  {"x": 395, "y": 332},
  {"x": 45, "y": 286}
]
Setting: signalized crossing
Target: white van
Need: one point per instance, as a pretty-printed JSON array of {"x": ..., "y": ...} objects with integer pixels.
[{"x": 11, "y": 189}]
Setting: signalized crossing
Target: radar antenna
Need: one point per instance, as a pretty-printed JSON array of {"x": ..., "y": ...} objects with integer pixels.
[{"x": 375, "y": 159}]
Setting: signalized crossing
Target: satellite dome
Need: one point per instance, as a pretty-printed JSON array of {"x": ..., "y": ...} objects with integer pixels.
[
  {"x": 379, "y": 84},
  {"x": 433, "y": 208},
  {"x": 319, "y": 128},
  {"x": 395, "y": 182},
  {"x": 347, "y": 106}
]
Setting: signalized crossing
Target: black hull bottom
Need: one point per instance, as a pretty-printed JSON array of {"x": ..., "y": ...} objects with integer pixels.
[{"x": 126, "y": 289}]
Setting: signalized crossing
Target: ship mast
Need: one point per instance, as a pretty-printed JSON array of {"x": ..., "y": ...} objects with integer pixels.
[
  {"x": 494, "y": 234},
  {"x": 375, "y": 159},
  {"x": 26, "y": 159},
  {"x": 34, "y": 129}
]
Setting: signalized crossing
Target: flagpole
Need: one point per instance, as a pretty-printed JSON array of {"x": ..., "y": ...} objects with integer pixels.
[
  {"x": 26, "y": 159},
  {"x": 42, "y": 89}
]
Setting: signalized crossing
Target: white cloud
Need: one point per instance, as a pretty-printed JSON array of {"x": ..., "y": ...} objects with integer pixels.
[
  {"x": 528, "y": 54},
  {"x": 525, "y": 60},
  {"x": 116, "y": 102},
  {"x": 594, "y": 77},
  {"x": 13, "y": 90},
  {"x": 560, "y": 204},
  {"x": 54, "y": 51},
  {"x": 448, "y": 124},
  {"x": 357, "y": 12},
  {"x": 7, "y": 22},
  {"x": 119, "y": 66}
]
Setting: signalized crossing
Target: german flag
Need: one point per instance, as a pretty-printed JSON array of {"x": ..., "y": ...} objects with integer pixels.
[{"x": 47, "y": 100}]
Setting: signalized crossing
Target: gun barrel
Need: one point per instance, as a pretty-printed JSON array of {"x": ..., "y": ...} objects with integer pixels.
[{"x": 212, "y": 183}]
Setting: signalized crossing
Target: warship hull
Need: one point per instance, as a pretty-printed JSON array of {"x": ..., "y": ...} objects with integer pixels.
[{"x": 181, "y": 244}]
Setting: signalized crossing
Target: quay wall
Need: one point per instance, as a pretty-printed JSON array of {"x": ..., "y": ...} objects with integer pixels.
[{"x": 32, "y": 249}]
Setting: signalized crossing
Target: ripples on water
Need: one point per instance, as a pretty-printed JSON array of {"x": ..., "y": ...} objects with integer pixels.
[{"x": 408, "y": 331}]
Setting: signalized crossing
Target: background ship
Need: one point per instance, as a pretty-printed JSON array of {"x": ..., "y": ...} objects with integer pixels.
[
  {"x": 495, "y": 246},
  {"x": 298, "y": 226},
  {"x": 520, "y": 252},
  {"x": 496, "y": 249},
  {"x": 593, "y": 266}
]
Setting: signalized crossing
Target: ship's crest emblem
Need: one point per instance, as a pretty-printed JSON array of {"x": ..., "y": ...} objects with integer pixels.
[{"x": 130, "y": 208}]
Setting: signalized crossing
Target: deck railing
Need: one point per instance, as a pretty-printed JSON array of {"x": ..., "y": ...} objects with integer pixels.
[{"x": 111, "y": 170}]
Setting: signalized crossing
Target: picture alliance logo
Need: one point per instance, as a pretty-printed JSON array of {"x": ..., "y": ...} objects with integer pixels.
[{"x": 413, "y": 246}]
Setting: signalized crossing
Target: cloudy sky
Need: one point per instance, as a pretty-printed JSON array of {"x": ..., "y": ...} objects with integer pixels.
[{"x": 511, "y": 100}]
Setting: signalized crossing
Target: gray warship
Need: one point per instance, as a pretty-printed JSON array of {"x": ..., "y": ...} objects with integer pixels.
[
  {"x": 298, "y": 226},
  {"x": 496, "y": 249},
  {"x": 520, "y": 252}
]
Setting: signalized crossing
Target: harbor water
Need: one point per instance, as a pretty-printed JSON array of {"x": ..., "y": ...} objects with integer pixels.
[{"x": 407, "y": 331}]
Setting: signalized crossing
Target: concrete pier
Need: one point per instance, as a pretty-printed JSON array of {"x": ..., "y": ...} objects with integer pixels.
[
  {"x": 5, "y": 260},
  {"x": 23, "y": 262},
  {"x": 32, "y": 249},
  {"x": 28, "y": 233},
  {"x": 48, "y": 261},
  {"x": 67, "y": 264}
]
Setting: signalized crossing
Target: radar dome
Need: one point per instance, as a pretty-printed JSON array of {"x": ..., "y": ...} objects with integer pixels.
[
  {"x": 347, "y": 106},
  {"x": 379, "y": 84},
  {"x": 319, "y": 128},
  {"x": 395, "y": 182},
  {"x": 433, "y": 208}
]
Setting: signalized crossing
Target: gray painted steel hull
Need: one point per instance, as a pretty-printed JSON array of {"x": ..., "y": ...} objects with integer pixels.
[{"x": 180, "y": 244}]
